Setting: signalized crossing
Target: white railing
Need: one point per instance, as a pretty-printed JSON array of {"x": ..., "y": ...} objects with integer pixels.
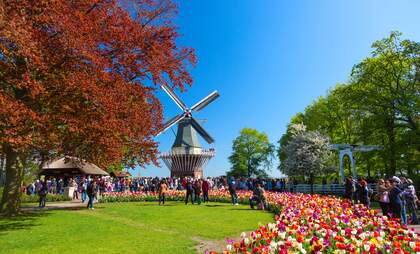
[{"x": 336, "y": 189}]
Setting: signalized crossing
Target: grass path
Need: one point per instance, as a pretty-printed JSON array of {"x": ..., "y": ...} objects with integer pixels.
[{"x": 128, "y": 228}]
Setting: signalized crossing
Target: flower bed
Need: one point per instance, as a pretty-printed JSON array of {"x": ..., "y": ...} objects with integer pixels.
[
  {"x": 214, "y": 196},
  {"x": 308, "y": 223},
  {"x": 321, "y": 224}
]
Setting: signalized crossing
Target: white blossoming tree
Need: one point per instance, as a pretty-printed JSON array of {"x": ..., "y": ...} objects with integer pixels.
[{"x": 307, "y": 154}]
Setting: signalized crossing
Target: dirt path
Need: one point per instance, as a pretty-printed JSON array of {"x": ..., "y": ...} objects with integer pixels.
[
  {"x": 213, "y": 245},
  {"x": 63, "y": 205}
]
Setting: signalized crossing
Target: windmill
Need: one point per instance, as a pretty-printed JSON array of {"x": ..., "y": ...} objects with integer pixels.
[{"x": 187, "y": 157}]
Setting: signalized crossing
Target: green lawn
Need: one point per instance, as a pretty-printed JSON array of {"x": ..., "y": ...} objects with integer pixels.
[{"x": 127, "y": 228}]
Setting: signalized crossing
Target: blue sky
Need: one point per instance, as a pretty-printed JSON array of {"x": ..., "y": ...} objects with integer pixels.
[{"x": 270, "y": 59}]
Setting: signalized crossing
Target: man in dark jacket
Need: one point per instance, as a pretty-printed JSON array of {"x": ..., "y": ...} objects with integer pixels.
[
  {"x": 197, "y": 191},
  {"x": 232, "y": 191},
  {"x": 43, "y": 190},
  {"x": 91, "y": 191},
  {"x": 205, "y": 186},
  {"x": 258, "y": 196},
  {"x": 190, "y": 190},
  {"x": 396, "y": 201}
]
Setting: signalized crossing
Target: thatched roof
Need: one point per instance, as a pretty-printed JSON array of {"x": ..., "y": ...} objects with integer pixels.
[{"x": 71, "y": 166}]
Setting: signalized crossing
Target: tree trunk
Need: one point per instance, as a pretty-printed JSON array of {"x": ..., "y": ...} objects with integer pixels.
[
  {"x": 10, "y": 202},
  {"x": 249, "y": 169},
  {"x": 2, "y": 173},
  {"x": 392, "y": 148}
]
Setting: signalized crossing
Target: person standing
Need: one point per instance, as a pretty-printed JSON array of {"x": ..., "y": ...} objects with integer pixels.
[
  {"x": 383, "y": 195},
  {"x": 43, "y": 190},
  {"x": 83, "y": 187},
  {"x": 163, "y": 189},
  {"x": 189, "y": 193},
  {"x": 205, "y": 187},
  {"x": 348, "y": 188},
  {"x": 324, "y": 186},
  {"x": 364, "y": 193},
  {"x": 411, "y": 200},
  {"x": 73, "y": 184},
  {"x": 396, "y": 200},
  {"x": 232, "y": 191},
  {"x": 359, "y": 192},
  {"x": 258, "y": 196},
  {"x": 197, "y": 191},
  {"x": 91, "y": 191}
]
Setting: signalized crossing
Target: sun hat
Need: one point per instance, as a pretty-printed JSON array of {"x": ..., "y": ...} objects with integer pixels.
[{"x": 395, "y": 179}]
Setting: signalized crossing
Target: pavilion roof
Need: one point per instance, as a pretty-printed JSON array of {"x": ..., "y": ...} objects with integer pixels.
[{"x": 71, "y": 166}]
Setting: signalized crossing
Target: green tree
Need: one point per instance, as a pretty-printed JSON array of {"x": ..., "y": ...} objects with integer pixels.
[
  {"x": 379, "y": 105},
  {"x": 252, "y": 154},
  {"x": 387, "y": 87}
]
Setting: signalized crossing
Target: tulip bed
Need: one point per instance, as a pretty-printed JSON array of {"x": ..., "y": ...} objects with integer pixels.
[
  {"x": 214, "y": 196},
  {"x": 308, "y": 223},
  {"x": 323, "y": 224}
]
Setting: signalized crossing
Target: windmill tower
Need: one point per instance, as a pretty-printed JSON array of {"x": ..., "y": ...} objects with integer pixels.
[{"x": 187, "y": 157}]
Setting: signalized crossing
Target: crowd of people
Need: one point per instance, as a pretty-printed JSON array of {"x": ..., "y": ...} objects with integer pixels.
[
  {"x": 146, "y": 184},
  {"x": 197, "y": 190},
  {"x": 396, "y": 196},
  {"x": 89, "y": 188}
]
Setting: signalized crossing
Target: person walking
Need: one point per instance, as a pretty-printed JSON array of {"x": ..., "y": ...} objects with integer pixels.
[
  {"x": 163, "y": 189},
  {"x": 43, "y": 190},
  {"x": 232, "y": 191},
  {"x": 91, "y": 191},
  {"x": 189, "y": 192},
  {"x": 205, "y": 187},
  {"x": 197, "y": 191}
]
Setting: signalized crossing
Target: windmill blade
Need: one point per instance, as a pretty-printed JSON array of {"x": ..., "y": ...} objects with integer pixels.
[
  {"x": 174, "y": 97},
  {"x": 206, "y": 101},
  {"x": 171, "y": 122},
  {"x": 201, "y": 131}
]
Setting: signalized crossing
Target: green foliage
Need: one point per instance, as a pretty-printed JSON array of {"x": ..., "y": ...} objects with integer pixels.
[
  {"x": 252, "y": 153},
  {"x": 30, "y": 172},
  {"x": 380, "y": 105}
]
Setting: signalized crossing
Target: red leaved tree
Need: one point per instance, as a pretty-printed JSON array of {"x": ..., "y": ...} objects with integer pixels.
[{"x": 78, "y": 78}]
